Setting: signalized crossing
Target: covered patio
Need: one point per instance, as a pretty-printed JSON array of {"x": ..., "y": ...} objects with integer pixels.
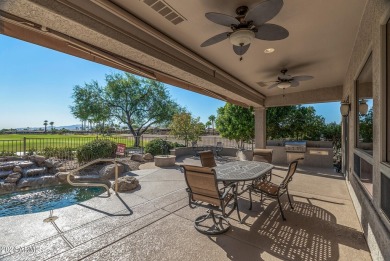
[{"x": 156, "y": 223}]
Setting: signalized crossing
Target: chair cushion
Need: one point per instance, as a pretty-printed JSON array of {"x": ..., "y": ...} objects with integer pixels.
[{"x": 267, "y": 187}]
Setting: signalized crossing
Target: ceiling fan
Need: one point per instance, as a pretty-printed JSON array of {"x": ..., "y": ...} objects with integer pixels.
[
  {"x": 285, "y": 80},
  {"x": 247, "y": 25}
]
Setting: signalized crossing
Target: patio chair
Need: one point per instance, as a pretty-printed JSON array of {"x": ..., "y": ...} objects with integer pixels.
[
  {"x": 263, "y": 155},
  {"x": 207, "y": 158},
  {"x": 218, "y": 149},
  {"x": 272, "y": 190},
  {"x": 203, "y": 187}
]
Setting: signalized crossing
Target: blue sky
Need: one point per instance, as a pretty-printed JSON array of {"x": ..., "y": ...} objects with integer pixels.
[{"x": 36, "y": 84}]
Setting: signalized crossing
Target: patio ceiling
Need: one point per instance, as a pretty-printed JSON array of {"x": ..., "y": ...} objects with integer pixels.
[{"x": 322, "y": 36}]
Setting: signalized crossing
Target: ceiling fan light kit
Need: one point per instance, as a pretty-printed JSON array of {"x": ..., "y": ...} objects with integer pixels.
[
  {"x": 247, "y": 25},
  {"x": 284, "y": 85},
  {"x": 241, "y": 37}
]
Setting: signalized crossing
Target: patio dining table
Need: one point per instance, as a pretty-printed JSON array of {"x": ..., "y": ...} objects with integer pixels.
[{"x": 237, "y": 171}]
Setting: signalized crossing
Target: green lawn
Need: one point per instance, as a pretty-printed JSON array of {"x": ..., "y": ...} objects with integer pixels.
[{"x": 14, "y": 142}]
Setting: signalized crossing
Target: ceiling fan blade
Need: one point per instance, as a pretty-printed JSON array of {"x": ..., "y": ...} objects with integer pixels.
[
  {"x": 271, "y": 32},
  {"x": 303, "y": 78},
  {"x": 294, "y": 83},
  {"x": 215, "y": 39},
  {"x": 221, "y": 19},
  {"x": 273, "y": 85},
  {"x": 264, "y": 11},
  {"x": 240, "y": 50}
]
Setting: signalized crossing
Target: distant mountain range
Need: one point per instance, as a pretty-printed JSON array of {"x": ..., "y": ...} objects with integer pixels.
[{"x": 68, "y": 127}]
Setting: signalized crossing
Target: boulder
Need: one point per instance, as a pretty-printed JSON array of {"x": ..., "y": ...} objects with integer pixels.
[
  {"x": 18, "y": 169},
  {"x": 25, "y": 164},
  {"x": 53, "y": 163},
  {"x": 148, "y": 156},
  {"x": 7, "y": 166},
  {"x": 61, "y": 169},
  {"x": 61, "y": 176},
  {"x": 137, "y": 157},
  {"x": 126, "y": 183},
  {"x": 4, "y": 174},
  {"x": 7, "y": 187},
  {"x": 13, "y": 178},
  {"x": 35, "y": 172},
  {"x": 38, "y": 159},
  {"x": 108, "y": 171},
  {"x": 37, "y": 182}
]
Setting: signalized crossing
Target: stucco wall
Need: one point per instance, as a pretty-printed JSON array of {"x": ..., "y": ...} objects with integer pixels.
[{"x": 370, "y": 39}]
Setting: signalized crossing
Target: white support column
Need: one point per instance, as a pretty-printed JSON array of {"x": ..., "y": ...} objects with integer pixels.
[{"x": 260, "y": 128}]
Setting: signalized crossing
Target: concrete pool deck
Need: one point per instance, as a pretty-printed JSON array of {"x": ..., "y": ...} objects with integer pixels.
[{"x": 155, "y": 223}]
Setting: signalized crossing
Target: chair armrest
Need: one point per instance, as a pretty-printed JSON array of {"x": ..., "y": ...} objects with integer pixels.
[{"x": 227, "y": 189}]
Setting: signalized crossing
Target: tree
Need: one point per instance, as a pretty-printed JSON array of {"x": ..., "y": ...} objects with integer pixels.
[
  {"x": 51, "y": 125},
  {"x": 137, "y": 103},
  {"x": 366, "y": 127},
  {"x": 297, "y": 122},
  {"x": 212, "y": 120},
  {"x": 277, "y": 122},
  {"x": 45, "y": 123},
  {"x": 89, "y": 105},
  {"x": 236, "y": 123},
  {"x": 207, "y": 125},
  {"x": 185, "y": 127},
  {"x": 140, "y": 103}
]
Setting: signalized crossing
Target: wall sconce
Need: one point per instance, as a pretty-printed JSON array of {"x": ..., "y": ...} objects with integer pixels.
[
  {"x": 344, "y": 107},
  {"x": 363, "y": 107}
]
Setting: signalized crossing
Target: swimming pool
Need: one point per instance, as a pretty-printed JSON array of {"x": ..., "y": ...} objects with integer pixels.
[{"x": 45, "y": 199}]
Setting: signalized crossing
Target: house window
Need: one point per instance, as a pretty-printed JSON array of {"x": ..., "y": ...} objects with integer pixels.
[
  {"x": 363, "y": 171},
  {"x": 385, "y": 195},
  {"x": 364, "y": 108}
]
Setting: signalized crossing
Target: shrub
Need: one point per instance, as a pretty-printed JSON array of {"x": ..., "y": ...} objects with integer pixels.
[
  {"x": 7, "y": 153},
  {"x": 96, "y": 149},
  {"x": 60, "y": 153},
  {"x": 177, "y": 145},
  {"x": 158, "y": 147}
]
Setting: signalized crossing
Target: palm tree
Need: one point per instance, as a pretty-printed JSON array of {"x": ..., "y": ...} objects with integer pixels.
[
  {"x": 51, "y": 124},
  {"x": 208, "y": 124},
  {"x": 45, "y": 123},
  {"x": 212, "y": 119}
]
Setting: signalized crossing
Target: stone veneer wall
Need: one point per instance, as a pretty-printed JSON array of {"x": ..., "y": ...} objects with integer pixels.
[{"x": 370, "y": 39}]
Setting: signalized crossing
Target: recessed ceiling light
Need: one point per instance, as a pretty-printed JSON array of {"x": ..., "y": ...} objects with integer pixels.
[{"x": 269, "y": 50}]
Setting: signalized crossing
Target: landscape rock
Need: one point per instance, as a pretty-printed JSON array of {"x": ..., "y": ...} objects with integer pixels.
[
  {"x": 18, "y": 169},
  {"x": 61, "y": 169},
  {"x": 7, "y": 166},
  {"x": 108, "y": 171},
  {"x": 61, "y": 176},
  {"x": 148, "y": 156},
  {"x": 7, "y": 187},
  {"x": 53, "y": 163},
  {"x": 37, "y": 182},
  {"x": 35, "y": 172},
  {"x": 4, "y": 174},
  {"x": 38, "y": 159},
  {"x": 13, "y": 178},
  {"x": 137, "y": 157},
  {"x": 126, "y": 183},
  {"x": 25, "y": 164}
]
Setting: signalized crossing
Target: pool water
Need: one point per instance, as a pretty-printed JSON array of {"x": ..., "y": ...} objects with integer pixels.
[{"x": 45, "y": 199}]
